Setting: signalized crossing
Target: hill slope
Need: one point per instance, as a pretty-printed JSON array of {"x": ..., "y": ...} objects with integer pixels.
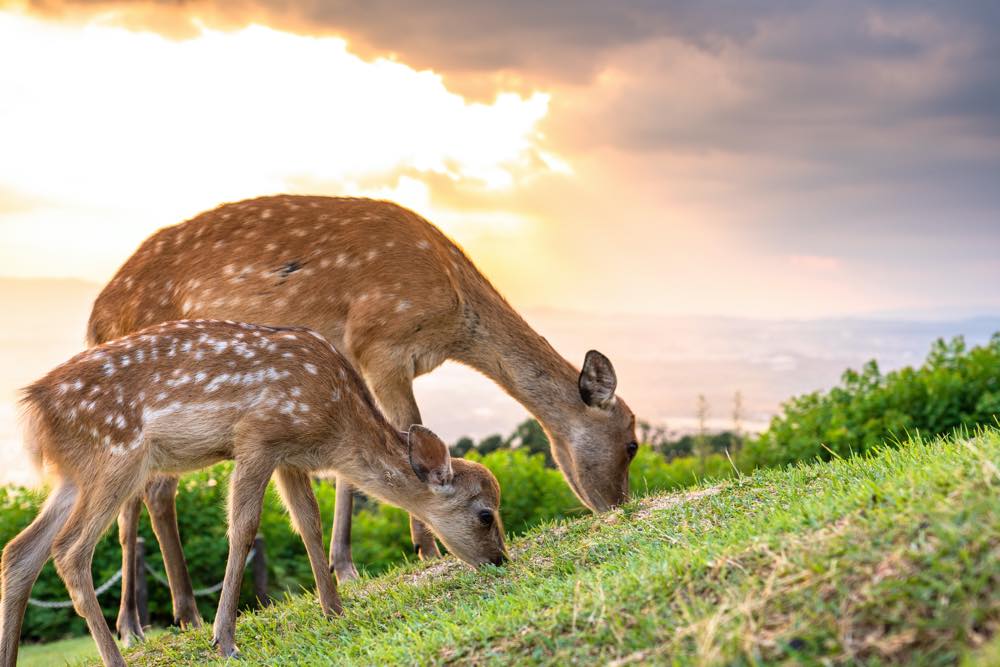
[{"x": 893, "y": 558}]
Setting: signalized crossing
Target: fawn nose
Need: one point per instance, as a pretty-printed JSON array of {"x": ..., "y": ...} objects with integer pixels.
[{"x": 501, "y": 559}]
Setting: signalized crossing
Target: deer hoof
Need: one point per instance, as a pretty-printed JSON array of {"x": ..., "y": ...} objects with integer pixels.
[
  {"x": 346, "y": 572},
  {"x": 226, "y": 648},
  {"x": 188, "y": 619},
  {"x": 130, "y": 630}
]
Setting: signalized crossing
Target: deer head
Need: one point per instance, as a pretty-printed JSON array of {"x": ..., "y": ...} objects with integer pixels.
[{"x": 463, "y": 506}]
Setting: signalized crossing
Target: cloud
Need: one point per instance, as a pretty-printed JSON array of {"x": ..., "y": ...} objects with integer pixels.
[{"x": 564, "y": 39}]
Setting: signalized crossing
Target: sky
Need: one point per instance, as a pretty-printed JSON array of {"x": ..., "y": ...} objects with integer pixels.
[{"x": 750, "y": 158}]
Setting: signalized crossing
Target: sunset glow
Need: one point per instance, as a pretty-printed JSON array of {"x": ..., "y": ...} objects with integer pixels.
[
  {"x": 808, "y": 162},
  {"x": 105, "y": 129}
]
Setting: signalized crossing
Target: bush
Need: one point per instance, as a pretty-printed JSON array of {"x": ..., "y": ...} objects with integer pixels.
[
  {"x": 955, "y": 388},
  {"x": 652, "y": 473}
]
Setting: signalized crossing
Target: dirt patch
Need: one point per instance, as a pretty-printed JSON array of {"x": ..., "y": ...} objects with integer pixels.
[
  {"x": 445, "y": 566},
  {"x": 674, "y": 499}
]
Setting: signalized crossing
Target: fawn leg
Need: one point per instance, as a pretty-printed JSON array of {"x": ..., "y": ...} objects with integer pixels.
[
  {"x": 23, "y": 558},
  {"x": 159, "y": 497},
  {"x": 129, "y": 626},
  {"x": 297, "y": 493},
  {"x": 246, "y": 497},
  {"x": 73, "y": 552}
]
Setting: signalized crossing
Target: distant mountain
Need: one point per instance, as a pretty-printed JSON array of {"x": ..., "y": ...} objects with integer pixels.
[{"x": 663, "y": 362}]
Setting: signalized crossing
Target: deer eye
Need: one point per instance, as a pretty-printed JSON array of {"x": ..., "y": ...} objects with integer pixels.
[
  {"x": 486, "y": 517},
  {"x": 631, "y": 448}
]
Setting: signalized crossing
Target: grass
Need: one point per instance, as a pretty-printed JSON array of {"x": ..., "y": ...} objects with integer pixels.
[
  {"x": 55, "y": 654},
  {"x": 891, "y": 558},
  {"x": 74, "y": 651}
]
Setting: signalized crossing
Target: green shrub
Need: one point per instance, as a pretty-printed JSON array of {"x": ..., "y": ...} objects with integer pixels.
[
  {"x": 652, "y": 473},
  {"x": 956, "y": 388}
]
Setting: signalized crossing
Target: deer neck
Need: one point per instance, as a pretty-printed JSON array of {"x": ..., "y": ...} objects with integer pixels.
[
  {"x": 377, "y": 461},
  {"x": 505, "y": 348}
]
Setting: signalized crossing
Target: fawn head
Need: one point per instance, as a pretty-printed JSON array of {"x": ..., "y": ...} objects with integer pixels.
[
  {"x": 463, "y": 507},
  {"x": 595, "y": 450}
]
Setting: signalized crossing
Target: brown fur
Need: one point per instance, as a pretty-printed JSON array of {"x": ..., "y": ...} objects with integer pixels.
[
  {"x": 182, "y": 395},
  {"x": 398, "y": 298}
]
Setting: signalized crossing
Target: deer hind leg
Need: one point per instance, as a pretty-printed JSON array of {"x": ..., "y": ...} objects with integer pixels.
[
  {"x": 394, "y": 392},
  {"x": 73, "y": 551},
  {"x": 160, "y": 496},
  {"x": 246, "y": 497},
  {"x": 23, "y": 558},
  {"x": 297, "y": 494},
  {"x": 129, "y": 625}
]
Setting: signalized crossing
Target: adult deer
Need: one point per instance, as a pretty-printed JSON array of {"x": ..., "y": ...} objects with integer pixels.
[
  {"x": 398, "y": 298},
  {"x": 182, "y": 395}
]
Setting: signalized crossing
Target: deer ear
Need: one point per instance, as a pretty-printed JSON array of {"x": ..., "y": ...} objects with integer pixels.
[
  {"x": 429, "y": 458},
  {"x": 597, "y": 380}
]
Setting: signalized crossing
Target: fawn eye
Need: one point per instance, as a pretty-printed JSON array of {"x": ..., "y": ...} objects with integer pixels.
[
  {"x": 486, "y": 517},
  {"x": 631, "y": 448}
]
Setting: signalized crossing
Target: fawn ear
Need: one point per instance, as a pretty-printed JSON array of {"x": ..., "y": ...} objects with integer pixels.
[
  {"x": 429, "y": 458},
  {"x": 597, "y": 380}
]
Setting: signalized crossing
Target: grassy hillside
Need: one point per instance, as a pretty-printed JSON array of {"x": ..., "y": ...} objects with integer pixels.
[{"x": 891, "y": 558}]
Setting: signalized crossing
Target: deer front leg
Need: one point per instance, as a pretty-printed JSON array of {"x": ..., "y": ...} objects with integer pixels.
[
  {"x": 160, "y": 497},
  {"x": 246, "y": 498},
  {"x": 129, "y": 625},
  {"x": 340, "y": 543},
  {"x": 297, "y": 493}
]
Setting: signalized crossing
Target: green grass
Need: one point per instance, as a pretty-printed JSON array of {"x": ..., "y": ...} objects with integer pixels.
[
  {"x": 892, "y": 558},
  {"x": 75, "y": 651},
  {"x": 56, "y": 654}
]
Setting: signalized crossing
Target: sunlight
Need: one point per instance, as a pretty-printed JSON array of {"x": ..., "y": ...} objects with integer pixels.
[{"x": 139, "y": 130}]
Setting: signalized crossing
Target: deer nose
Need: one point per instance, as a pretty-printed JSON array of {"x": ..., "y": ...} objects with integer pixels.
[{"x": 500, "y": 560}]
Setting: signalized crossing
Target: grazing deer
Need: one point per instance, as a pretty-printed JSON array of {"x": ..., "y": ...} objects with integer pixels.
[
  {"x": 182, "y": 395},
  {"x": 398, "y": 298}
]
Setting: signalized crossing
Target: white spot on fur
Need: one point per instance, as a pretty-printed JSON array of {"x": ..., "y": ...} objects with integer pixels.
[
  {"x": 402, "y": 305},
  {"x": 310, "y": 367}
]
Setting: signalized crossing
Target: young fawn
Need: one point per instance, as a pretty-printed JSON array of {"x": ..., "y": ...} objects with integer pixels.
[{"x": 182, "y": 395}]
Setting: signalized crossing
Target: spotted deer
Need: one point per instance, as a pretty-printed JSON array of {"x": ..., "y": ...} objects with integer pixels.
[
  {"x": 398, "y": 298},
  {"x": 183, "y": 395}
]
